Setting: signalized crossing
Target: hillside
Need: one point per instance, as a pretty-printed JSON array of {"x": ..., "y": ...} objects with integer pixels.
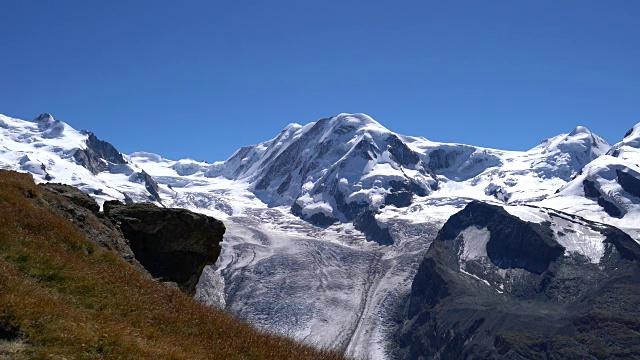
[{"x": 63, "y": 296}]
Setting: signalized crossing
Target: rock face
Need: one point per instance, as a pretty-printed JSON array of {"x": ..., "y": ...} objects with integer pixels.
[
  {"x": 367, "y": 223},
  {"x": 172, "y": 244},
  {"x": 97, "y": 155},
  {"x": 513, "y": 243},
  {"x": 84, "y": 212},
  {"x": 494, "y": 286},
  {"x": 149, "y": 183}
]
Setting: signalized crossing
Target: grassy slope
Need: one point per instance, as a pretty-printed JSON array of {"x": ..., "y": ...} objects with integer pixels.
[{"x": 72, "y": 299}]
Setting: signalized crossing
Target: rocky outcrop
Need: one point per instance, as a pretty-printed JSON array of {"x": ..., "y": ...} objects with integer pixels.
[
  {"x": 556, "y": 304},
  {"x": 629, "y": 182},
  {"x": 513, "y": 243},
  {"x": 149, "y": 183},
  {"x": 97, "y": 155},
  {"x": 591, "y": 191},
  {"x": 84, "y": 212},
  {"x": 172, "y": 244},
  {"x": 367, "y": 223}
]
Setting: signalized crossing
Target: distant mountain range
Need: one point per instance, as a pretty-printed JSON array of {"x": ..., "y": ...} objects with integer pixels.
[{"x": 329, "y": 224}]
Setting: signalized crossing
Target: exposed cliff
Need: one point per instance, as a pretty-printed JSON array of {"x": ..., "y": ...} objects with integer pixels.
[
  {"x": 494, "y": 286},
  {"x": 172, "y": 244}
]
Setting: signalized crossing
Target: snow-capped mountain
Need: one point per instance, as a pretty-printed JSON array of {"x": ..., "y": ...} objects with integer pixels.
[
  {"x": 606, "y": 189},
  {"x": 300, "y": 209},
  {"x": 331, "y": 170},
  {"x": 53, "y": 151}
]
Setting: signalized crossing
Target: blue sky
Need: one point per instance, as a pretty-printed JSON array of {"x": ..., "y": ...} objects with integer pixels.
[{"x": 200, "y": 79}]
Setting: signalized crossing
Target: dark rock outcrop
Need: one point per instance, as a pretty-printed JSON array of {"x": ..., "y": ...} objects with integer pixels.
[
  {"x": 367, "y": 223},
  {"x": 401, "y": 152},
  {"x": 569, "y": 308},
  {"x": 498, "y": 192},
  {"x": 318, "y": 219},
  {"x": 149, "y": 183},
  {"x": 629, "y": 183},
  {"x": 172, "y": 244},
  {"x": 98, "y": 154},
  {"x": 591, "y": 191},
  {"x": 514, "y": 243}
]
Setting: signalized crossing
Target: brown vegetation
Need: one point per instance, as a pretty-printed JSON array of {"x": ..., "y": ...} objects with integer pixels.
[{"x": 66, "y": 297}]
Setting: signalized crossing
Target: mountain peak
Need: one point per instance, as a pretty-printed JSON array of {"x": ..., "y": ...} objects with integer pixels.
[
  {"x": 579, "y": 138},
  {"x": 45, "y": 117},
  {"x": 356, "y": 121},
  {"x": 45, "y": 121},
  {"x": 580, "y": 130},
  {"x": 629, "y": 147}
]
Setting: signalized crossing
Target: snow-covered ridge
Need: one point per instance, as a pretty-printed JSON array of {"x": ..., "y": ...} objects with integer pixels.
[
  {"x": 325, "y": 171},
  {"x": 51, "y": 150}
]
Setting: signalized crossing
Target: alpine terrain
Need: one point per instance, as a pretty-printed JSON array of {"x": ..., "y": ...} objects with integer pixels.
[{"x": 343, "y": 234}]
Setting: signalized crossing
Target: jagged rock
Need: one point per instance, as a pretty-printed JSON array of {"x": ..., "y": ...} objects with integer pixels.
[
  {"x": 149, "y": 183},
  {"x": 367, "y": 223},
  {"x": 498, "y": 192},
  {"x": 172, "y": 244},
  {"x": 98, "y": 154},
  {"x": 74, "y": 195},
  {"x": 629, "y": 183},
  {"x": 513, "y": 243},
  {"x": 591, "y": 191}
]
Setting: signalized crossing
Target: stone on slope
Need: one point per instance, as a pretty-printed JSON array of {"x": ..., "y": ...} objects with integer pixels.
[{"x": 172, "y": 244}]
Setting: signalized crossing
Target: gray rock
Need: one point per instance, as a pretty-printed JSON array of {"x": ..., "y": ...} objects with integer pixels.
[
  {"x": 555, "y": 306},
  {"x": 98, "y": 154}
]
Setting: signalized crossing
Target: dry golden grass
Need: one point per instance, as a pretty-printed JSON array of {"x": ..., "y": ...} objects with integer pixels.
[{"x": 72, "y": 299}]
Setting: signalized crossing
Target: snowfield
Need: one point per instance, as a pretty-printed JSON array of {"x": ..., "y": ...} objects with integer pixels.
[{"x": 292, "y": 260}]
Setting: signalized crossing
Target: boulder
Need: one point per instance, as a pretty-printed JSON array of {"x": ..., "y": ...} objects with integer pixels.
[{"x": 174, "y": 245}]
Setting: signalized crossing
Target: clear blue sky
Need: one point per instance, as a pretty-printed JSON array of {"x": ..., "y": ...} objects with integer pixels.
[{"x": 202, "y": 78}]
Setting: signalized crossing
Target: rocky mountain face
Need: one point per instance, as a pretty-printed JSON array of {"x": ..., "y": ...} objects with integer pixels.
[
  {"x": 171, "y": 245},
  {"x": 98, "y": 155},
  {"x": 494, "y": 286}
]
